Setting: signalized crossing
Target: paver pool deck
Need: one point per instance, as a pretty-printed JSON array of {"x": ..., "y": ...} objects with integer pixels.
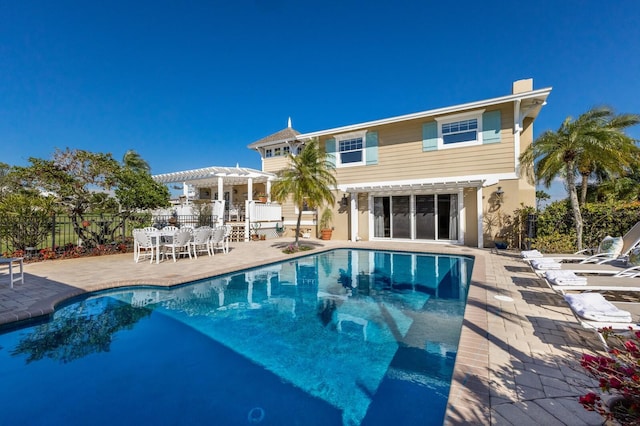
[{"x": 519, "y": 352}]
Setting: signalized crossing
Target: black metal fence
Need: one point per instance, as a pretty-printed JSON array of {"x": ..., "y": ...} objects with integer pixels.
[{"x": 108, "y": 231}]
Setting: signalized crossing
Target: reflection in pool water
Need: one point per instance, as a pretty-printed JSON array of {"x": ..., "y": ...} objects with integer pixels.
[{"x": 348, "y": 336}]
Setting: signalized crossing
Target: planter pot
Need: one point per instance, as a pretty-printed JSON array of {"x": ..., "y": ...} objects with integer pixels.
[
  {"x": 501, "y": 245},
  {"x": 262, "y": 199},
  {"x": 325, "y": 234},
  {"x": 255, "y": 237}
]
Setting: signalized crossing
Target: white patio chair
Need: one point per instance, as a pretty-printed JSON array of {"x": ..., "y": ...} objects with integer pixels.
[
  {"x": 217, "y": 241},
  {"x": 143, "y": 245},
  {"x": 180, "y": 244},
  {"x": 200, "y": 241},
  {"x": 227, "y": 236}
]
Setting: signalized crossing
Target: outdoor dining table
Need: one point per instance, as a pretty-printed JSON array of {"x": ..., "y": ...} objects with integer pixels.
[{"x": 157, "y": 236}]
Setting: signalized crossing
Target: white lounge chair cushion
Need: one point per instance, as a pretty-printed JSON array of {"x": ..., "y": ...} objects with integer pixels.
[
  {"x": 530, "y": 254},
  {"x": 611, "y": 245},
  {"x": 564, "y": 278},
  {"x": 545, "y": 263},
  {"x": 593, "y": 306}
]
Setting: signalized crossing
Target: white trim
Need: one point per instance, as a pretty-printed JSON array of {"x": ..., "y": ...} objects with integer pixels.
[
  {"x": 540, "y": 93},
  {"x": 421, "y": 184},
  {"x": 460, "y": 116}
]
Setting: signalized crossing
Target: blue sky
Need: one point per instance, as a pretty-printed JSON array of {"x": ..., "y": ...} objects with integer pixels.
[{"x": 189, "y": 84}]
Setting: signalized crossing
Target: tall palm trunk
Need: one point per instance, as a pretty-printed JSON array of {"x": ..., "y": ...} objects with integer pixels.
[
  {"x": 575, "y": 206},
  {"x": 298, "y": 224},
  {"x": 583, "y": 190}
]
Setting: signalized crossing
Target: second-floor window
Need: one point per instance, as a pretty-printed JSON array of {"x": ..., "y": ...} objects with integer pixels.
[
  {"x": 277, "y": 152},
  {"x": 351, "y": 151},
  {"x": 460, "y": 131},
  {"x": 286, "y": 150},
  {"x": 268, "y": 153}
]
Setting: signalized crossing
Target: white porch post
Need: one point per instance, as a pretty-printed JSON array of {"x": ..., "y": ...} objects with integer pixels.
[
  {"x": 353, "y": 215},
  {"x": 462, "y": 217},
  {"x": 250, "y": 189},
  {"x": 220, "y": 188},
  {"x": 268, "y": 190},
  {"x": 480, "y": 216}
]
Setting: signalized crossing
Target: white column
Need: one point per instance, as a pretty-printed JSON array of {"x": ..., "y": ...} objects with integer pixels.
[
  {"x": 353, "y": 215},
  {"x": 250, "y": 189},
  {"x": 268, "y": 191},
  {"x": 479, "y": 215},
  {"x": 517, "y": 129},
  {"x": 220, "y": 188},
  {"x": 462, "y": 217}
]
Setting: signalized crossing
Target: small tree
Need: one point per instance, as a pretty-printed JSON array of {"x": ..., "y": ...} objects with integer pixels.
[
  {"x": 308, "y": 179},
  {"x": 84, "y": 183},
  {"x": 25, "y": 219}
]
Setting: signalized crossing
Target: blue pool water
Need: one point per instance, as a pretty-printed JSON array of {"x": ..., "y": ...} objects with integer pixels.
[{"x": 344, "y": 337}]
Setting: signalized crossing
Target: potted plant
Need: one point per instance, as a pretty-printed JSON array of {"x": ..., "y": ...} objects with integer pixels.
[
  {"x": 262, "y": 197},
  {"x": 325, "y": 224}
]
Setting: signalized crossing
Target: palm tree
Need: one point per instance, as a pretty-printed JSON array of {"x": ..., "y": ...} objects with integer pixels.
[
  {"x": 308, "y": 179},
  {"x": 610, "y": 166},
  {"x": 596, "y": 139},
  {"x": 132, "y": 160}
]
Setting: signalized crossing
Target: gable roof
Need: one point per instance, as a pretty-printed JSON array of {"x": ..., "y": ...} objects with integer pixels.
[{"x": 285, "y": 135}]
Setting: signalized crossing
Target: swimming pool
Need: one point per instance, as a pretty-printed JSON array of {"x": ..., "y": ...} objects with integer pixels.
[{"x": 342, "y": 337}]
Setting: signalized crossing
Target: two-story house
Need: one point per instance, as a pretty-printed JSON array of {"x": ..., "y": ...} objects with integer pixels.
[{"x": 444, "y": 175}]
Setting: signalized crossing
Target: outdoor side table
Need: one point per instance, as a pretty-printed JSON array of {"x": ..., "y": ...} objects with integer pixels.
[{"x": 10, "y": 261}]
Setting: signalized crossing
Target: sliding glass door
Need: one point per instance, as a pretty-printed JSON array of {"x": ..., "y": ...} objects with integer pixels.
[{"x": 419, "y": 217}]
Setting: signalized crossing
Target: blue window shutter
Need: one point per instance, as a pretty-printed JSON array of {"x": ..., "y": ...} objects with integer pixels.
[
  {"x": 491, "y": 127},
  {"x": 330, "y": 149},
  {"x": 430, "y": 136},
  {"x": 371, "y": 148}
]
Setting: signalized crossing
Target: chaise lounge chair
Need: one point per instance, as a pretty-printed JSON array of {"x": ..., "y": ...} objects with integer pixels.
[
  {"x": 564, "y": 281},
  {"x": 609, "y": 250},
  {"x": 594, "y": 311}
]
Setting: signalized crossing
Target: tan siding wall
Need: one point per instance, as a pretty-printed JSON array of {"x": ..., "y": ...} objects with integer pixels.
[
  {"x": 274, "y": 164},
  {"x": 400, "y": 155}
]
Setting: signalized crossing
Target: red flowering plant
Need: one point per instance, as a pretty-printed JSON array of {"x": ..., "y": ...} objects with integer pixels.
[{"x": 618, "y": 375}]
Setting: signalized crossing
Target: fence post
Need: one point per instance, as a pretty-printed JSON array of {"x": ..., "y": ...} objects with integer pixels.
[{"x": 53, "y": 231}]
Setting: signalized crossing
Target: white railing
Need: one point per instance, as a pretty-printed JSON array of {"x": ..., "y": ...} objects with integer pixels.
[{"x": 261, "y": 212}]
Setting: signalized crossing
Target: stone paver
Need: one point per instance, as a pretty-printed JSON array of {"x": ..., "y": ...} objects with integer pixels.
[{"x": 518, "y": 359}]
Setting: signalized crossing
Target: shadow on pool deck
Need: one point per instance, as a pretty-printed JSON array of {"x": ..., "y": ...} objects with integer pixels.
[{"x": 518, "y": 358}]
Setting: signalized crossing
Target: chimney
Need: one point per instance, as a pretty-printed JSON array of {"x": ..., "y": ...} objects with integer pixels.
[{"x": 522, "y": 86}]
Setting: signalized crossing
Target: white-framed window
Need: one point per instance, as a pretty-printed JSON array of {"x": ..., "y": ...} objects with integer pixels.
[
  {"x": 277, "y": 152},
  {"x": 351, "y": 149},
  {"x": 460, "y": 130},
  {"x": 268, "y": 153},
  {"x": 286, "y": 150}
]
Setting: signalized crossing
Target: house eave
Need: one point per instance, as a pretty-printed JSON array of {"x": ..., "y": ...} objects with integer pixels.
[{"x": 540, "y": 95}]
